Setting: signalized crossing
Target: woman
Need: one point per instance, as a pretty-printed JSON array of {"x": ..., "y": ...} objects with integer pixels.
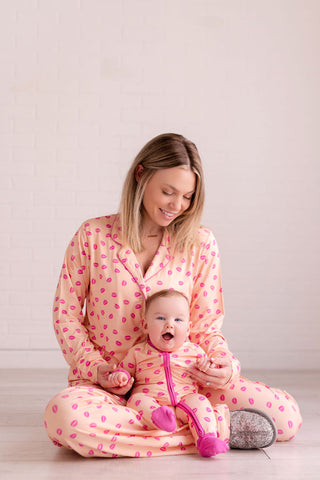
[{"x": 111, "y": 266}]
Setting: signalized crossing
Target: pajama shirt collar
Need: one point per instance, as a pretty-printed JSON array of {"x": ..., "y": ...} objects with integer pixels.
[{"x": 127, "y": 257}]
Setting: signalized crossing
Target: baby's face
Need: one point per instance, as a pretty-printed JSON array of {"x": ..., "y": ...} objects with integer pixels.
[{"x": 167, "y": 322}]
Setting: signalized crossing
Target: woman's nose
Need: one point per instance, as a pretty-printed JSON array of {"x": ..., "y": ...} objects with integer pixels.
[{"x": 176, "y": 203}]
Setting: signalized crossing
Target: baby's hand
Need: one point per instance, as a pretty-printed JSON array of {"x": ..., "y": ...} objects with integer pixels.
[
  {"x": 118, "y": 379},
  {"x": 110, "y": 380},
  {"x": 213, "y": 373},
  {"x": 203, "y": 363}
]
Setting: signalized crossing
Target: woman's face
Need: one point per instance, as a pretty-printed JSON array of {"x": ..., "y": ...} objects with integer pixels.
[{"x": 167, "y": 195}]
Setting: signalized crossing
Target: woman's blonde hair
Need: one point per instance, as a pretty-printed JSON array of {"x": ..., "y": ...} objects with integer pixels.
[{"x": 168, "y": 150}]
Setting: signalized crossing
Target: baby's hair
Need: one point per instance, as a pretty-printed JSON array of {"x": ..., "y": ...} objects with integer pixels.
[{"x": 169, "y": 292}]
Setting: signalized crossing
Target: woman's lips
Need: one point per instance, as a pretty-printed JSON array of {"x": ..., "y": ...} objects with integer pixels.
[{"x": 168, "y": 215}]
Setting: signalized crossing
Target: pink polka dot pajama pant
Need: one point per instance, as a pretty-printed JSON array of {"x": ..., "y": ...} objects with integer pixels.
[
  {"x": 193, "y": 409},
  {"x": 243, "y": 393},
  {"x": 95, "y": 423}
]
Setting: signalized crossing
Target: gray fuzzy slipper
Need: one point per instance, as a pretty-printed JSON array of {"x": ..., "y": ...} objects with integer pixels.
[{"x": 251, "y": 428}]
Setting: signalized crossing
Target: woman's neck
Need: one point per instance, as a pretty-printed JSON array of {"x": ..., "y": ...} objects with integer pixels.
[
  {"x": 152, "y": 235},
  {"x": 150, "y": 230}
]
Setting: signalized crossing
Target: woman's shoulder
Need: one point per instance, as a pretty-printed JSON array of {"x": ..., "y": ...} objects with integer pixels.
[
  {"x": 92, "y": 224},
  {"x": 206, "y": 236},
  {"x": 96, "y": 229},
  {"x": 97, "y": 226}
]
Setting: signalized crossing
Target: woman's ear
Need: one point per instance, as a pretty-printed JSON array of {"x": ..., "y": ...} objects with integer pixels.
[{"x": 138, "y": 172}]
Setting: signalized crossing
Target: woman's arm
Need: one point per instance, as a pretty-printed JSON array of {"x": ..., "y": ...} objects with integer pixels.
[
  {"x": 207, "y": 313},
  {"x": 72, "y": 335}
]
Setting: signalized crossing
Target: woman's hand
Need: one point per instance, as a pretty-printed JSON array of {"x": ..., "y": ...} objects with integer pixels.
[
  {"x": 212, "y": 373},
  {"x": 105, "y": 378}
]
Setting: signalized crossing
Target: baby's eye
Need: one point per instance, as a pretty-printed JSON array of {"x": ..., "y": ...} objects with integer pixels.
[
  {"x": 178, "y": 320},
  {"x": 160, "y": 318}
]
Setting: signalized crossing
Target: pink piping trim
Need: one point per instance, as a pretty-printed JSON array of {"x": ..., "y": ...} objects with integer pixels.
[
  {"x": 167, "y": 371},
  {"x": 172, "y": 393},
  {"x": 189, "y": 412}
]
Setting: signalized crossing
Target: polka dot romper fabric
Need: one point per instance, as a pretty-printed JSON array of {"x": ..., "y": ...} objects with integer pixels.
[
  {"x": 152, "y": 370},
  {"x": 98, "y": 310},
  {"x": 161, "y": 379}
]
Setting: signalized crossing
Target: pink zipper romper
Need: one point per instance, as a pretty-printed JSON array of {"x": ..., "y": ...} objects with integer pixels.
[
  {"x": 162, "y": 379},
  {"x": 98, "y": 311}
]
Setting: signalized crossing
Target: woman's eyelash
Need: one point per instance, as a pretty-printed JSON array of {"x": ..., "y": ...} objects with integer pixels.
[{"x": 167, "y": 193}]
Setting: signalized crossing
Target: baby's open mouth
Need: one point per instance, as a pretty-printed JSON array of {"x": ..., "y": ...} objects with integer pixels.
[{"x": 167, "y": 336}]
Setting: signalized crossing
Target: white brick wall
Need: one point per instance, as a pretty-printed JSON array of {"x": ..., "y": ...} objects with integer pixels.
[{"x": 85, "y": 83}]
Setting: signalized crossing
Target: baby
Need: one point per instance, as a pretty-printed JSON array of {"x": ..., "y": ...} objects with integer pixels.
[{"x": 163, "y": 390}]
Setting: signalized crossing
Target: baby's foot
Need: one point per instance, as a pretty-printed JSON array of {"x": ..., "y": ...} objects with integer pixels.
[
  {"x": 209, "y": 445},
  {"x": 164, "y": 418}
]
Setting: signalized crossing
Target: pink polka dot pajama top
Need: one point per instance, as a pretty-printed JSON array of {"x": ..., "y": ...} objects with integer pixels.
[{"x": 98, "y": 311}]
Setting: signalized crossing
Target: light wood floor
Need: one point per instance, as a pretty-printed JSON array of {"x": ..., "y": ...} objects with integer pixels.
[{"x": 26, "y": 452}]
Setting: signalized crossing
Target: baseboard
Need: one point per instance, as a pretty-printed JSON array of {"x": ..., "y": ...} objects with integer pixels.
[{"x": 32, "y": 359}]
